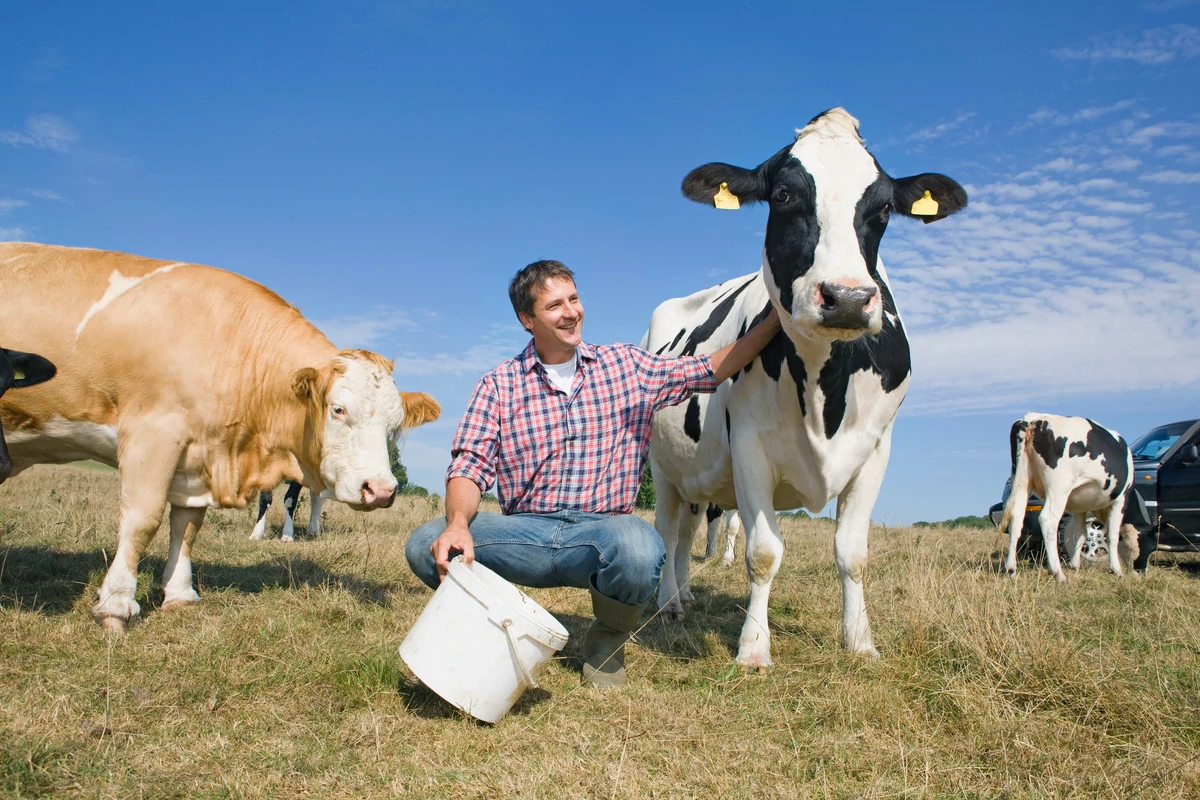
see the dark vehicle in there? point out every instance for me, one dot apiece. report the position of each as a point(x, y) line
point(1165, 509)
point(1166, 474)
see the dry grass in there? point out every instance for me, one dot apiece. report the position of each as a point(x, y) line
point(285, 682)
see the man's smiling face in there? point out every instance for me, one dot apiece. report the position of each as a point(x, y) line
point(557, 320)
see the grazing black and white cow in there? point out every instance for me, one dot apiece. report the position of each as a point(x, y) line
point(1076, 467)
point(810, 418)
point(290, 498)
point(18, 370)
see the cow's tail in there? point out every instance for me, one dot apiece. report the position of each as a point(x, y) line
point(1018, 498)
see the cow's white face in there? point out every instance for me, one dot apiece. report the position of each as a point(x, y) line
point(362, 409)
point(829, 207)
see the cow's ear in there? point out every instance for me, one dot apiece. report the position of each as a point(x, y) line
point(928, 196)
point(419, 408)
point(29, 369)
point(309, 385)
point(724, 185)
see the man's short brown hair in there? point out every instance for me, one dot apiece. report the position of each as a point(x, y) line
point(526, 283)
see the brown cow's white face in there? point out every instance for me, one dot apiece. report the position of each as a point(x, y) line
point(362, 409)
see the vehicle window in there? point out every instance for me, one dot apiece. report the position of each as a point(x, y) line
point(1158, 441)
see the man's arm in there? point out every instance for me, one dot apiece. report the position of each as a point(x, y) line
point(732, 357)
point(462, 503)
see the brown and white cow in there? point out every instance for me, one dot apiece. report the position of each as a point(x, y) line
point(202, 386)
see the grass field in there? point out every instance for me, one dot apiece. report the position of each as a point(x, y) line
point(285, 682)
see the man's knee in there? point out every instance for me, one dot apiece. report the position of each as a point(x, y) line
point(416, 550)
point(637, 546)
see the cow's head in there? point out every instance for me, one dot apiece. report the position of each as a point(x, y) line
point(18, 370)
point(353, 408)
point(830, 202)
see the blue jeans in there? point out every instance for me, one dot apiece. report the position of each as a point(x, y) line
point(621, 555)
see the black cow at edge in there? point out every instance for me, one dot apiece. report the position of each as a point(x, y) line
point(18, 370)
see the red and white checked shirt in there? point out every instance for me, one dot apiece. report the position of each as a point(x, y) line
point(548, 451)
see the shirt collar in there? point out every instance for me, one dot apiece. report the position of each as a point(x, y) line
point(529, 361)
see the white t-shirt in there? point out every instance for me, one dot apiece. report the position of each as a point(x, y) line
point(562, 375)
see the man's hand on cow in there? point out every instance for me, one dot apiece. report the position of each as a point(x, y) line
point(453, 539)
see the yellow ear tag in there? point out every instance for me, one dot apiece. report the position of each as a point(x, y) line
point(18, 374)
point(726, 199)
point(925, 207)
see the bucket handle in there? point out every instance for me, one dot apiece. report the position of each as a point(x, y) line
point(507, 625)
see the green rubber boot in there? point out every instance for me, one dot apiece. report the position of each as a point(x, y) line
point(605, 641)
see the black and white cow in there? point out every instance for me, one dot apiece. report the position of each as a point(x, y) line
point(290, 498)
point(17, 371)
point(811, 417)
point(1076, 467)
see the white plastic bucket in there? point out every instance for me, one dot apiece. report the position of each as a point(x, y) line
point(481, 641)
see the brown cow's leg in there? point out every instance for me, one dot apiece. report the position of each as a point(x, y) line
point(148, 457)
point(177, 576)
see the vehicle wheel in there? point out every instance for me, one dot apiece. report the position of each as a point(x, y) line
point(1095, 543)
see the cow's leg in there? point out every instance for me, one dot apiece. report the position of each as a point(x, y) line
point(733, 524)
point(1112, 527)
point(1052, 511)
point(289, 512)
point(754, 483)
point(854, 507)
point(148, 460)
point(667, 508)
point(687, 519)
point(1077, 529)
point(177, 576)
point(713, 517)
point(315, 504)
point(260, 528)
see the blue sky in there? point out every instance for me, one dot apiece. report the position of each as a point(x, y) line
point(388, 166)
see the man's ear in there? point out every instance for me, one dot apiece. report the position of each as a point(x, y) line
point(419, 408)
point(526, 321)
point(29, 369)
point(945, 196)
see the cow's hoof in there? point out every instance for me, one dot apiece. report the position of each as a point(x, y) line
point(671, 613)
point(287, 538)
point(726, 562)
point(686, 597)
point(867, 652)
point(188, 598)
point(756, 662)
point(113, 624)
point(258, 536)
point(1058, 576)
point(1010, 572)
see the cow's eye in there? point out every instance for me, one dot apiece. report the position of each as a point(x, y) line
point(781, 195)
point(338, 411)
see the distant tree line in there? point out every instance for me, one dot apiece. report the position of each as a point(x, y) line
point(959, 522)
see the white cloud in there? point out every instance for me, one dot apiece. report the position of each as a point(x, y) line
point(1122, 163)
point(477, 360)
point(1048, 116)
point(7, 205)
point(1152, 47)
point(1167, 5)
point(1176, 130)
point(43, 131)
point(1116, 206)
point(1172, 176)
point(45, 194)
point(366, 330)
point(937, 131)
point(17, 234)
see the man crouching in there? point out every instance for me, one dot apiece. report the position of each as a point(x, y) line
point(564, 429)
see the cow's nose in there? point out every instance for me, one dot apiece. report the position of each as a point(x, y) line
point(378, 494)
point(845, 306)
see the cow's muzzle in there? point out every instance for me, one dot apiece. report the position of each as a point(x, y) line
point(377, 494)
point(846, 306)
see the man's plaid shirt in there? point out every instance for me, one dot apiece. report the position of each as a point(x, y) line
point(548, 451)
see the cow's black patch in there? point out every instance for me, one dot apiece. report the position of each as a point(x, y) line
point(1113, 454)
point(713, 512)
point(1077, 449)
point(1016, 436)
point(792, 226)
point(691, 419)
point(871, 220)
point(886, 354)
point(671, 345)
point(694, 508)
point(728, 427)
point(1050, 447)
point(704, 331)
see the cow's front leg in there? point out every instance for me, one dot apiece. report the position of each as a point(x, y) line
point(1052, 511)
point(754, 481)
point(667, 508)
point(686, 523)
point(854, 507)
point(177, 575)
point(315, 504)
point(148, 457)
